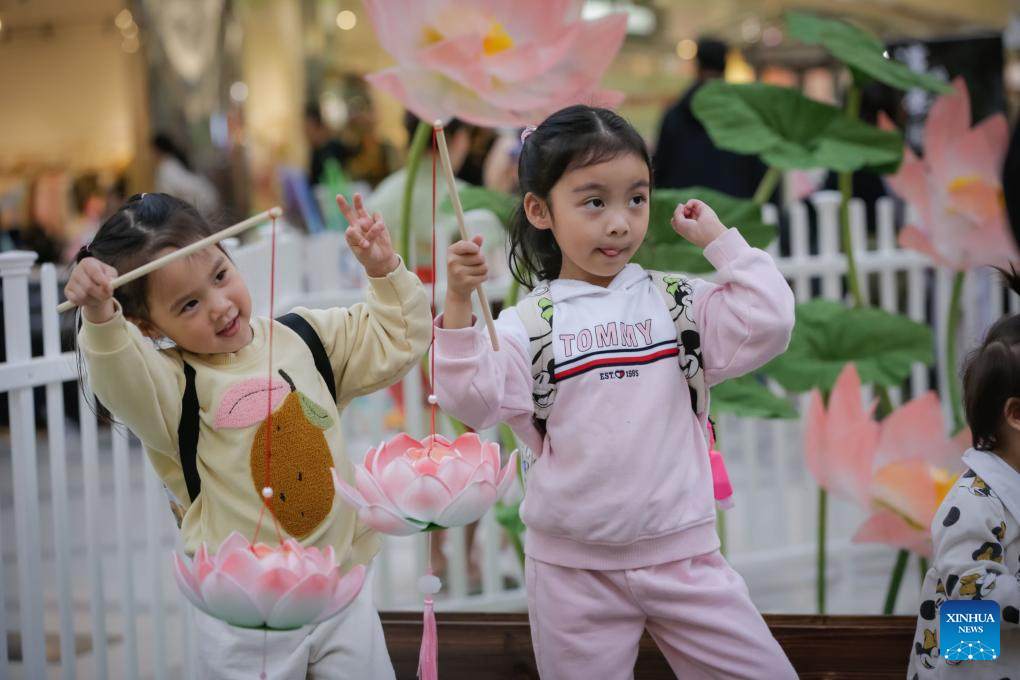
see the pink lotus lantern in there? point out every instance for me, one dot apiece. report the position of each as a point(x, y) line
point(258, 586)
point(956, 188)
point(405, 486)
point(495, 63)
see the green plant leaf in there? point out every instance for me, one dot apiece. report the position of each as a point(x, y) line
point(478, 198)
point(859, 50)
point(789, 131)
point(314, 413)
point(828, 335)
point(747, 396)
point(664, 250)
point(509, 517)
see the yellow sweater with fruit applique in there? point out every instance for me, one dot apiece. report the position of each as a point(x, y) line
point(370, 346)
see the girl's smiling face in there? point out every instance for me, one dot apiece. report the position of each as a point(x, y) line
point(201, 303)
point(598, 215)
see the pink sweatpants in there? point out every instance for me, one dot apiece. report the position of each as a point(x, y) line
point(587, 624)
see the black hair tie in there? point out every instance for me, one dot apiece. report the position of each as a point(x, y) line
point(83, 252)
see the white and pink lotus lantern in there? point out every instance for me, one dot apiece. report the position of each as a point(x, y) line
point(405, 486)
point(259, 586)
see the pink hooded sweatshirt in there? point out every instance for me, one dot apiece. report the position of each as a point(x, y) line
point(623, 478)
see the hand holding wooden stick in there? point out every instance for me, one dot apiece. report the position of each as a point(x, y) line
point(139, 272)
point(444, 156)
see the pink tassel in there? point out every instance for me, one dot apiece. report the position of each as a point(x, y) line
point(720, 477)
point(428, 657)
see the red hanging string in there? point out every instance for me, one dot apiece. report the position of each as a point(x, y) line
point(269, 395)
point(435, 278)
point(428, 654)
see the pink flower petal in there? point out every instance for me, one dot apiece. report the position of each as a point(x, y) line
point(454, 473)
point(347, 492)
point(468, 506)
point(392, 450)
point(270, 586)
point(887, 528)
point(906, 487)
point(490, 454)
point(387, 521)
point(507, 476)
point(228, 601)
point(468, 446)
point(948, 119)
point(302, 604)
point(426, 466)
point(187, 583)
point(347, 589)
point(914, 430)
point(235, 542)
point(243, 567)
point(395, 479)
point(913, 238)
point(424, 499)
point(369, 488)
point(840, 447)
point(203, 566)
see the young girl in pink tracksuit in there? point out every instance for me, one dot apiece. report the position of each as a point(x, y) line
point(619, 496)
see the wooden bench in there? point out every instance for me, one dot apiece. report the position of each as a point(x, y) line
point(482, 646)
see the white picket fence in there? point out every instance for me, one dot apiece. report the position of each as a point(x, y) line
point(85, 534)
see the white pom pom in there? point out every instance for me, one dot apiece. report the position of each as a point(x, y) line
point(429, 585)
point(433, 399)
point(267, 492)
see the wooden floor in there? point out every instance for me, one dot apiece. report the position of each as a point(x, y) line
point(483, 646)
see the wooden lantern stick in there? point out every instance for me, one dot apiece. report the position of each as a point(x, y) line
point(444, 156)
point(149, 267)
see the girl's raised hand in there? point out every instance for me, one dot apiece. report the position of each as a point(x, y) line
point(697, 222)
point(465, 268)
point(90, 287)
point(368, 238)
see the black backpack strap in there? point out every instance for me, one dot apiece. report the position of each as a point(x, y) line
point(300, 325)
point(187, 433)
point(187, 428)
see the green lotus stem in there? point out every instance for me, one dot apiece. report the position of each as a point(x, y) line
point(853, 107)
point(845, 190)
point(894, 582)
point(923, 564)
point(952, 325)
point(515, 538)
point(767, 186)
point(418, 143)
point(823, 502)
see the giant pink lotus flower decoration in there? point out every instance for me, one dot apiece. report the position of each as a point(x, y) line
point(496, 62)
point(405, 486)
point(956, 188)
point(899, 469)
point(260, 586)
point(839, 442)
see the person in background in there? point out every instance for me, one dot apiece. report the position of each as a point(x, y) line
point(323, 144)
point(90, 204)
point(686, 156)
point(175, 176)
point(371, 158)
